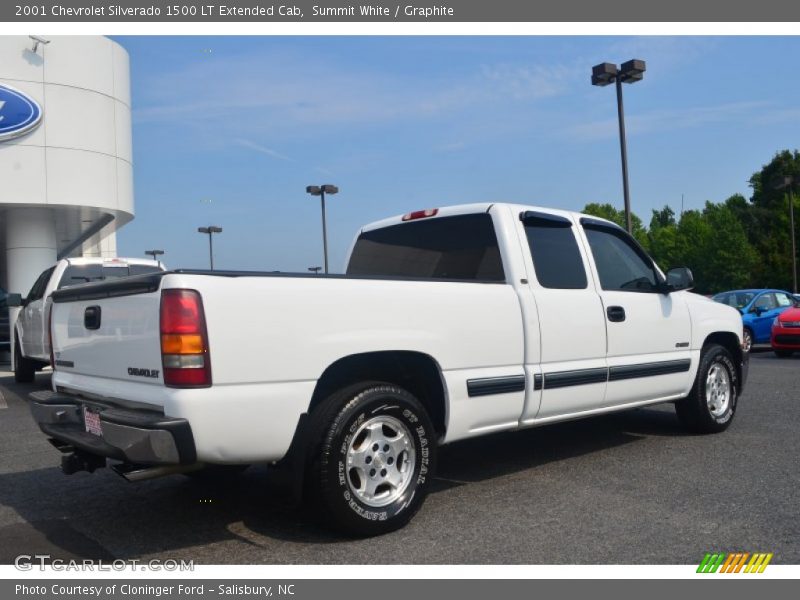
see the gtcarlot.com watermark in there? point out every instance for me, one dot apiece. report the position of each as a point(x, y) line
point(29, 562)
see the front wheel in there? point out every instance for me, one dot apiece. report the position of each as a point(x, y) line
point(711, 404)
point(374, 465)
point(24, 368)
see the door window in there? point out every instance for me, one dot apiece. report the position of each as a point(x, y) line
point(37, 291)
point(765, 302)
point(784, 300)
point(621, 264)
point(554, 249)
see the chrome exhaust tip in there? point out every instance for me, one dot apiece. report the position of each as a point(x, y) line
point(143, 472)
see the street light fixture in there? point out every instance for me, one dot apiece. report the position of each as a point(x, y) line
point(629, 72)
point(321, 190)
point(210, 230)
point(155, 254)
point(789, 182)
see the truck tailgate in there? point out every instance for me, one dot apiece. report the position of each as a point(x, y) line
point(103, 341)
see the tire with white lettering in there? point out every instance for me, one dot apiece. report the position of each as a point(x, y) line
point(374, 458)
point(711, 404)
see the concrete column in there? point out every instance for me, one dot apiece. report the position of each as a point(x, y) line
point(30, 249)
point(106, 248)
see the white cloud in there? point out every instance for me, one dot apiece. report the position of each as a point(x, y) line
point(669, 119)
point(259, 148)
point(523, 82)
point(275, 92)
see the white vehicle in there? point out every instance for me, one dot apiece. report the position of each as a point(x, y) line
point(449, 323)
point(31, 341)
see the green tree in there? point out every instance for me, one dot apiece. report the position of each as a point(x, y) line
point(766, 220)
point(607, 211)
point(729, 257)
point(662, 239)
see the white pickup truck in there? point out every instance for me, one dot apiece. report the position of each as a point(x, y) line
point(449, 323)
point(31, 342)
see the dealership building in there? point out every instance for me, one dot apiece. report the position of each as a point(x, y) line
point(66, 175)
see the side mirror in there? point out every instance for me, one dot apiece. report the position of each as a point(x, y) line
point(758, 310)
point(679, 278)
point(14, 300)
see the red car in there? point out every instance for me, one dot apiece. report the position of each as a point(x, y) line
point(785, 337)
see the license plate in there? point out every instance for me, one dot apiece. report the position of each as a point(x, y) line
point(91, 421)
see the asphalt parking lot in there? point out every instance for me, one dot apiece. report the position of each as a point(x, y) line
point(630, 488)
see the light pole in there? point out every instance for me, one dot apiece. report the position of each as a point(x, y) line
point(321, 190)
point(629, 72)
point(789, 182)
point(210, 230)
point(155, 254)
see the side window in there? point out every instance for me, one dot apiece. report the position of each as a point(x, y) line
point(621, 265)
point(766, 302)
point(784, 300)
point(556, 257)
point(37, 290)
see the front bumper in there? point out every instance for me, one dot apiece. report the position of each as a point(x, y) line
point(785, 338)
point(141, 436)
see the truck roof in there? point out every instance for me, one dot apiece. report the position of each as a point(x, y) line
point(480, 207)
point(98, 260)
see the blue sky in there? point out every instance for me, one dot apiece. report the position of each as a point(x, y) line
point(230, 130)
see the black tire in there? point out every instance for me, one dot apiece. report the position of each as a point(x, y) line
point(694, 411)
point(783, 353)
point(337, 424)
point(24, 368)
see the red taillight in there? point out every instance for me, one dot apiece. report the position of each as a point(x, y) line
point(184, 340)
point(420, 214)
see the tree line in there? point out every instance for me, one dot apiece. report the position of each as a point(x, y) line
point(738, 243)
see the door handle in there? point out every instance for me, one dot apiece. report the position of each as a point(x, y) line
point(616, 314)
point(91, 318)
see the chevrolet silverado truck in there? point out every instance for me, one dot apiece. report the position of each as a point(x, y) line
point(31, 340)
point(449, 323)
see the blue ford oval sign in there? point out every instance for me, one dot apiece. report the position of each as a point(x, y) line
point(19, 113)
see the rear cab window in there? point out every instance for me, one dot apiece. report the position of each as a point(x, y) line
point(461, 247)
point(77, 274)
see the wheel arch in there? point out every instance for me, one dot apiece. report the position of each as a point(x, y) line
point(417, 372)
point(730, 341)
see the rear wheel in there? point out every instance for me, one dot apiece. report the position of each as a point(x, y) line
point(24, 368)
point(374, 461)
point(783, 353)
point(711, 405)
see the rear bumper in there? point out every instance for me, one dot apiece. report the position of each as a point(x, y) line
point(138, 436)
